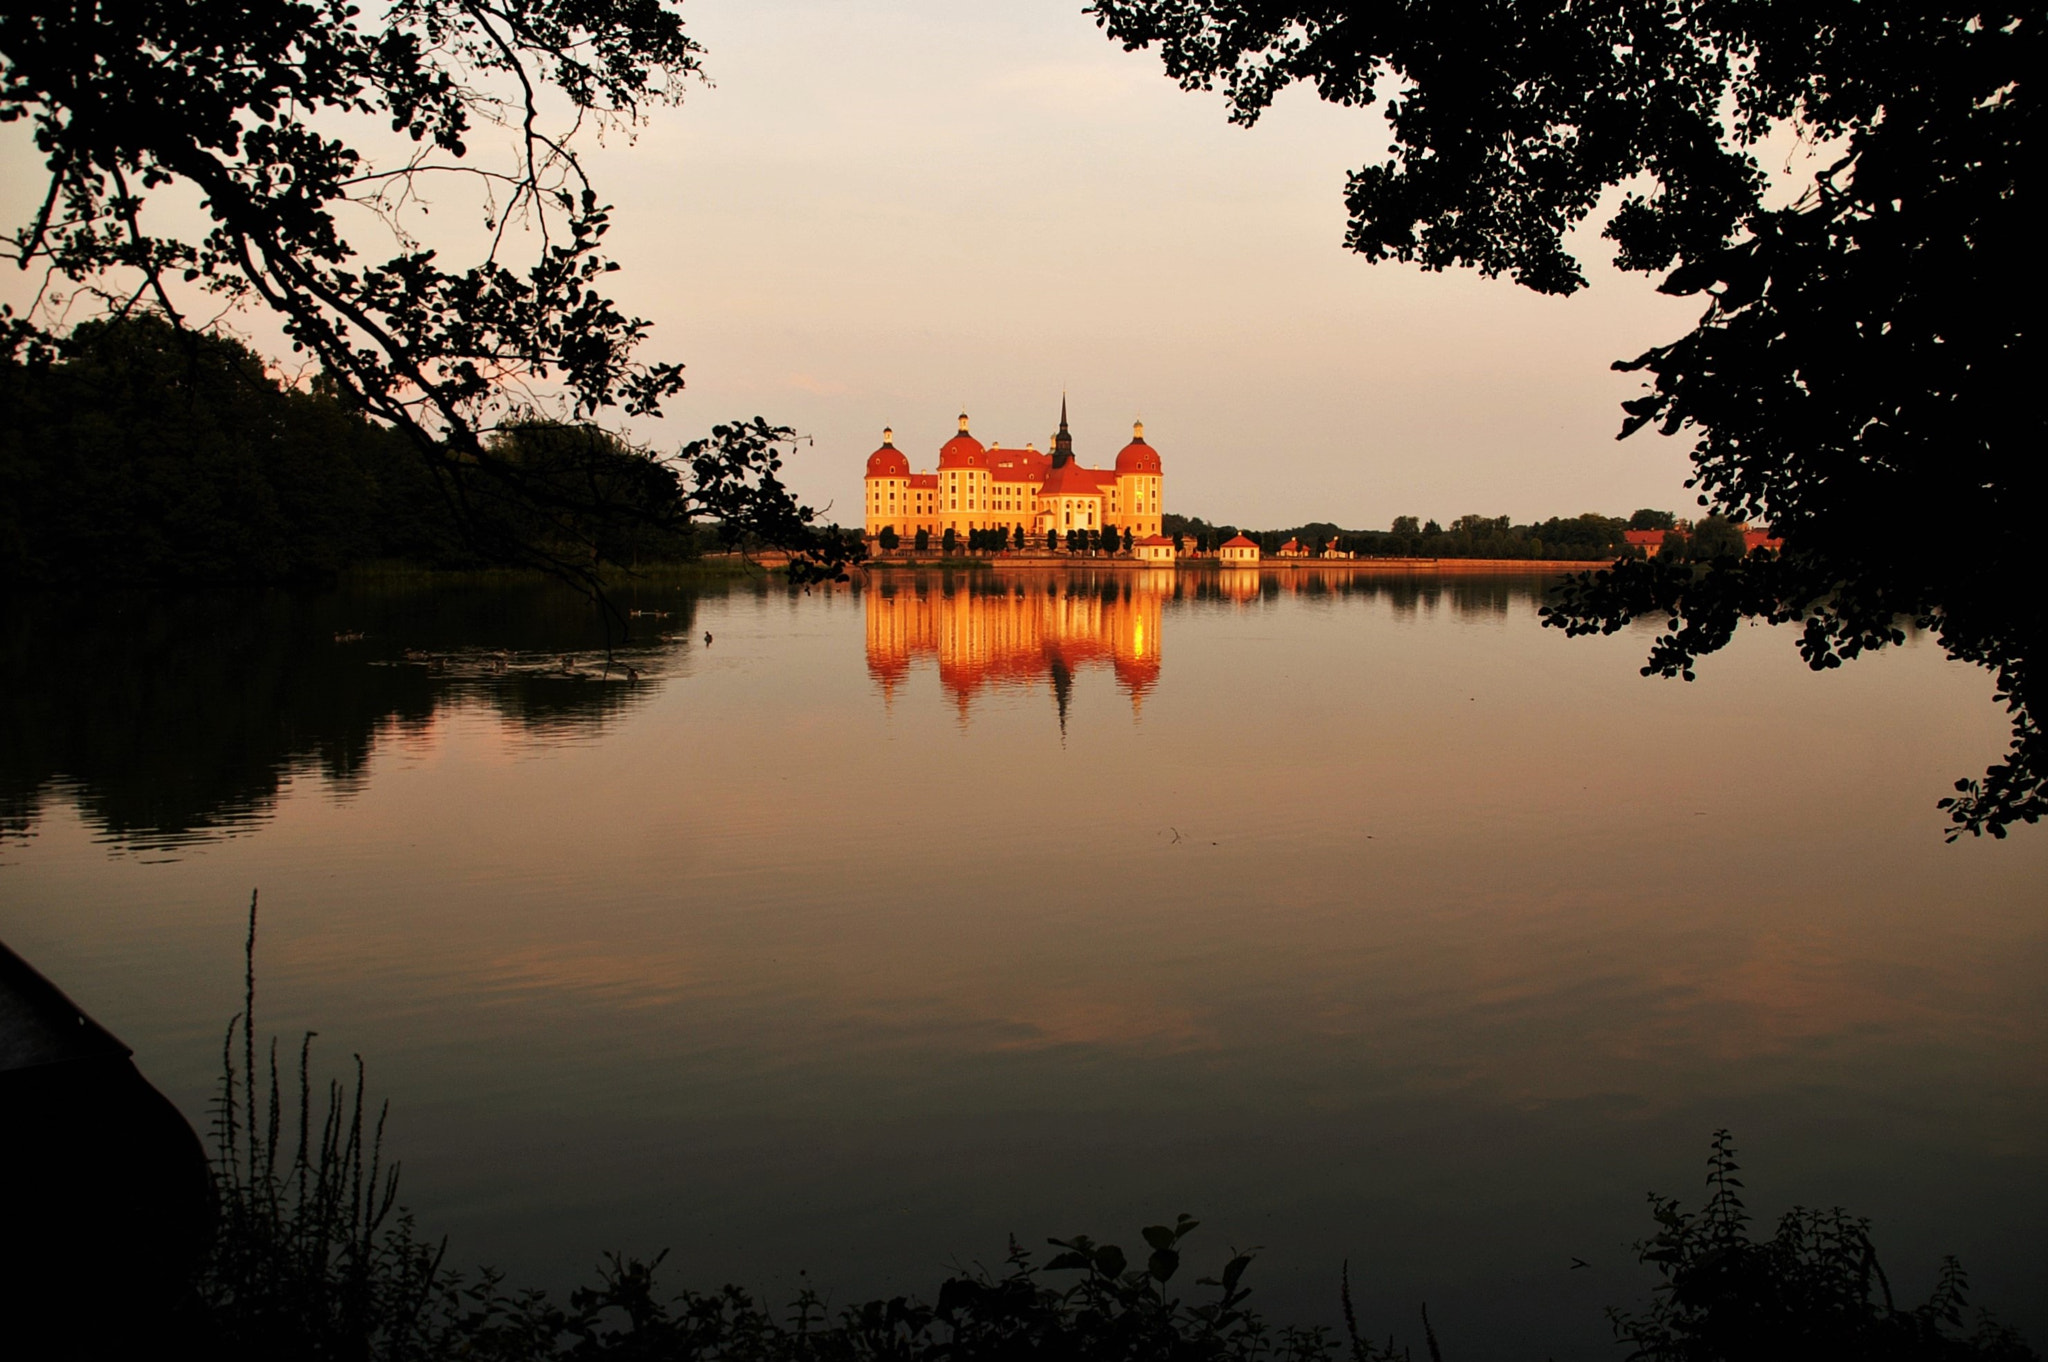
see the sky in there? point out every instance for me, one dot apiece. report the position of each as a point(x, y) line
point(880, 214)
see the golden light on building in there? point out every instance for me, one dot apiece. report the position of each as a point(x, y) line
point(985, 487)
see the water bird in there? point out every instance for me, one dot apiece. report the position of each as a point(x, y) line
point(568, 664)
point(707, 638)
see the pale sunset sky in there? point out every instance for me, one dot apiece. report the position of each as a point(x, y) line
point(881, 212)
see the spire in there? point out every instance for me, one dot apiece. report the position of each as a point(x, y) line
point(1062, 441)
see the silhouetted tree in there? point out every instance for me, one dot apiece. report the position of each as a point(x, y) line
point(951, 541)
point(1716, 537)
point(1647, 519)
point(1017, 538)
point(1128, 540)
point(923, 540)
point(888, 538)
point(255, 110)
point(1865, 355)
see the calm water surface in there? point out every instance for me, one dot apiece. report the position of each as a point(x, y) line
point(1363, 920)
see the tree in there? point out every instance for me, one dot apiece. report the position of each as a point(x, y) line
point(261, 112)
point(1716, 537)
point(889, 539)
point(1864, 354)
point(1647, 519)
point(1052, 541)
point(1128, 539)
point(1408, 525)
point(923, 540)
point(1017, 538)
point(951, 540)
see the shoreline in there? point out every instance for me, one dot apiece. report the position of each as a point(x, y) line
point(1368, 566)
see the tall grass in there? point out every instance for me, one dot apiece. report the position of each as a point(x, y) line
point(312, 1256)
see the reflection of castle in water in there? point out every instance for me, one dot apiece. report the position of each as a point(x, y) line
point(987, 635)
point(991, 629)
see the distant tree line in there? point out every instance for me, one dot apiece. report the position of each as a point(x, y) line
point(1590, 537)
point(142, 453)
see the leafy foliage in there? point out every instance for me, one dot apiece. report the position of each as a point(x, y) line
point(267, 112)
point(1864, 357)
point(1814, 1289)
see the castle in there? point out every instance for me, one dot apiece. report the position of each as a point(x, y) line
point(983, 488)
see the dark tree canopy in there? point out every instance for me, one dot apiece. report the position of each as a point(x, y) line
point(305, 130)
point(1863, 359)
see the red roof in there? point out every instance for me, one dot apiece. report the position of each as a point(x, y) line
point(1137, 457)
point(1761, 539)
point(1071, 480)
point(1019, 464)
point(924, 479)
point(1645, 538)
point(888, 462)
point(962, 451)
point(1156, 539)
point(1240, 542)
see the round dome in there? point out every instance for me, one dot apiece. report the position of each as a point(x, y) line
point(962, 451)
point(1137, 456)
point(888, 462)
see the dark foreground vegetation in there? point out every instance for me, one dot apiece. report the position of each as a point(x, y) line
point(1863, 357)
point(313, 1258)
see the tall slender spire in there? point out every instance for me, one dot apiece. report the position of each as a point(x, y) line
point(1062, 441)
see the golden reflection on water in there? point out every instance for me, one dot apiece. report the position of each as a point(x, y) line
point(1019, 632)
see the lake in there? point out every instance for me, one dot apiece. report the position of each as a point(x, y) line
point(1360, 917)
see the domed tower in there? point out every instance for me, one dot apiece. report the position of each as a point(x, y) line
point(888, 490)
point(964, 483)
point(1140, 483)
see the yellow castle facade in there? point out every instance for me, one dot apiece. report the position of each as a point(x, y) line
point(984, 487)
